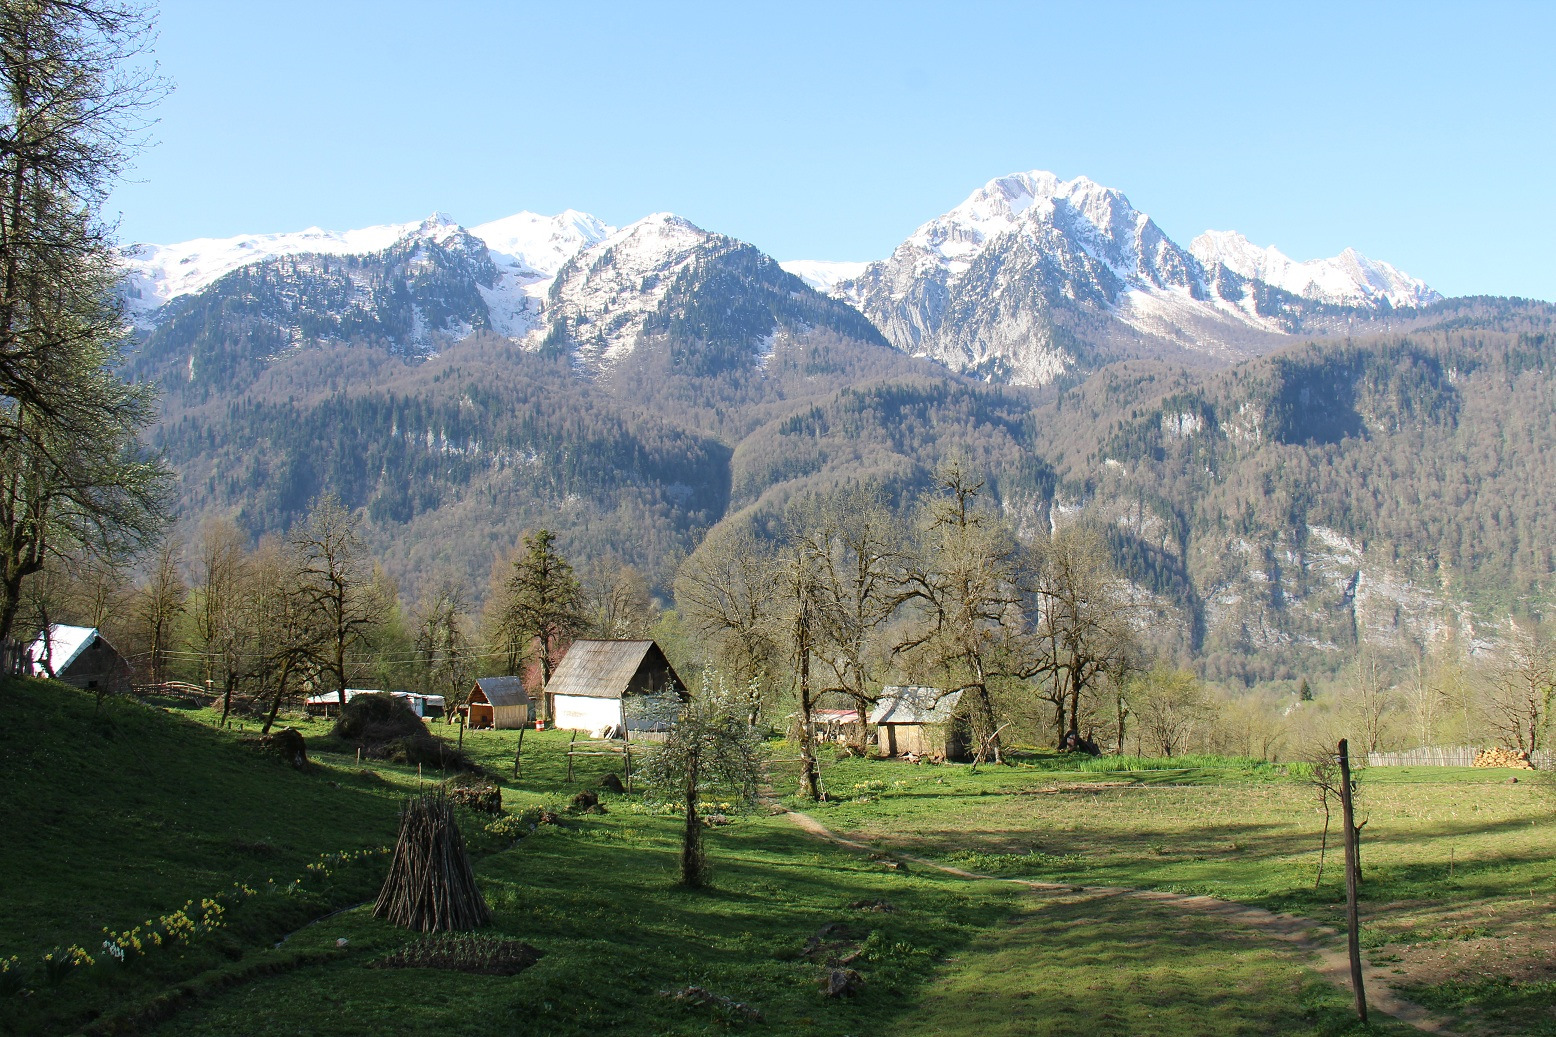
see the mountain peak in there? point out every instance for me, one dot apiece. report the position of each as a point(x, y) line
point(1348, 279)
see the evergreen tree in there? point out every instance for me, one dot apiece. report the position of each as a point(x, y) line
point(543, 604)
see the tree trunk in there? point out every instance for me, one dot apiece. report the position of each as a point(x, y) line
point(691, 840)
point(1352, 877)
point(275, 707)
point(810, 780)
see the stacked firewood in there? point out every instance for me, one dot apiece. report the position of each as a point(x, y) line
point(430, 884)
point(1503, 758)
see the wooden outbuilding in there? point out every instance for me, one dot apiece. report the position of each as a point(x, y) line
point(921, 721)
point(81, 657)
point(603, 686)
point(500, 702)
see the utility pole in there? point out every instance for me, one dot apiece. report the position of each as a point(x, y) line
point(1352, 878)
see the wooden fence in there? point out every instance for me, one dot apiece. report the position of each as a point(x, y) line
point(1445, 756)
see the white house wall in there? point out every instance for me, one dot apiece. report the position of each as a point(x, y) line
point(582, 713)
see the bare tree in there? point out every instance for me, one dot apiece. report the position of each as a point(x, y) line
point(961, 583)
point(218, 606)
point(617, 600)
point(284, 639)
point(727, 589)
point(157, 605)
point(495, 627)
point(1423, 698)
point(859, 554)
point(443, 649)
point(343, 601)
point(1517, 704)
point(794, 584)
point(1083, 637)
point(1371, 699)
point(1168, 705)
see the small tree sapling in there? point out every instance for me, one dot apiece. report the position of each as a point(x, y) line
point(712, 751)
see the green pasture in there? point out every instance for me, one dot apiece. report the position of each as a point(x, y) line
point(123, 813)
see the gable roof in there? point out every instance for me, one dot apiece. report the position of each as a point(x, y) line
point(65, 645)
point(503, 691)
point(914, 705)
point(603, 669)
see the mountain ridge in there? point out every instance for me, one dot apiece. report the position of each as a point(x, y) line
point(1029, 278)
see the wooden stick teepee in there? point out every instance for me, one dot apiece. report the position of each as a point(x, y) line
point(430, 884)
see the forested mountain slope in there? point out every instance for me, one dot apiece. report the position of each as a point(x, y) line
point(1278, 500)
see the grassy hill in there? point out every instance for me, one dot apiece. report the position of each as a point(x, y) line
point(119, 812)
point(120, 815)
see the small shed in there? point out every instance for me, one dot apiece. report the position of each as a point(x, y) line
point(500, 702)
point(602, 685)
point(79, 656)
point(923, 721)
point(835, 725)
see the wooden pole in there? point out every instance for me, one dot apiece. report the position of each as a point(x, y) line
point(1352, 867)
point(519, 754)
point(626, 748)
point(570, 742)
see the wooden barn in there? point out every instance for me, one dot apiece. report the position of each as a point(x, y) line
point(922, 721)
point(500, 702)
point(603, 685)
point(81, 657)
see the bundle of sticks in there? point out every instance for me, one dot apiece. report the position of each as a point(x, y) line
point(430, 884)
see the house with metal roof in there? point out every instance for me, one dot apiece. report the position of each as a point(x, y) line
point(79, 656)
point(919, 721)
point(499, 702)
point(603, 685)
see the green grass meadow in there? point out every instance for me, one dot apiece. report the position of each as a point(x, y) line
point(121, 815)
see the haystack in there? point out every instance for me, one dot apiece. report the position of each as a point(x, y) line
point(430, 884)
point(386, 727)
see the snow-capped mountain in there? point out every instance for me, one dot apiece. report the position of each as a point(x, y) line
point(527, 250)
point(1032, 271)
point(1029, 278)
point(1349, 279)
point(157, 274)
point(664, 277)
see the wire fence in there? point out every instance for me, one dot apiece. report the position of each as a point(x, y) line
point(1446, 756)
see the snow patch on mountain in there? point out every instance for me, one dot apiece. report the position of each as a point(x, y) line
point(1349, 279)
point(527, 249)
point(603, 296)
point(823, 275)
point(158, 274)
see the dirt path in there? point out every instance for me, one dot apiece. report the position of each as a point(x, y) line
point(1301, 933)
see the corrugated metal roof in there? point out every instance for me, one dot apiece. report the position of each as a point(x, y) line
point(503, 691)
point(900, 704)
point(603, 669)
point(65, 644)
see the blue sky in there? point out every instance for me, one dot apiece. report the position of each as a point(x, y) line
point(1419, 133)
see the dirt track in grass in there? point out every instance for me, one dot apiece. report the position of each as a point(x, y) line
point(1324, 943)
